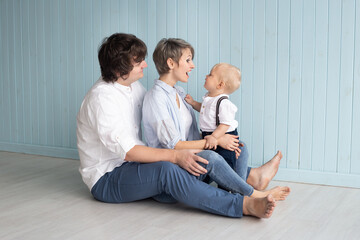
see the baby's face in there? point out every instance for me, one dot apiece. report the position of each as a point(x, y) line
point(212, 80)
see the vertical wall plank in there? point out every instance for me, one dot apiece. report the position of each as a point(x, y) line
point(18, 73)
point(48, 78)
point(142, 31)
point(133, 23)
point(247, 83)
point(2, 105)
point(171, 18)
point(202, 53)
point(57, 71)
point(224, 31)
point(151, 42)
point(333, 86)
point(294, 85)
point(114, 16)
point(214, 32)
point(346, 85)
point(5, 98)
point(182, 18)
point(235, 52)
point(307, 86)
point(318, 143)
point(355, 140)
point(258, 83)
point(26, 72)
point(161, 20)
point(12, 74)
point(283, 67)
point(33, 77)
point(191, 35)
point(40, 55)
point(270, 77)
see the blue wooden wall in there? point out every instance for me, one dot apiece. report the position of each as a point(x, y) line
point(300, 61)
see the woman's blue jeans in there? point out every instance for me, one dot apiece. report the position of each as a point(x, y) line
point(135, 181)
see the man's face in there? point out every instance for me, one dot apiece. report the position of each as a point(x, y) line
point(135, 74)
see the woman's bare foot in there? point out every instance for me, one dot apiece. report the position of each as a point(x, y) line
point(278, 193)
point(259, 207)
point(260, 177)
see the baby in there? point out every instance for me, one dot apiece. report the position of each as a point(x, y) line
point(217, 112)
point(217, 117)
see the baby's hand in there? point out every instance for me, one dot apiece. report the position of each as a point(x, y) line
point(189, 99)
point(211, 142)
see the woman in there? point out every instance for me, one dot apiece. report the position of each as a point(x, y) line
point(169, 122)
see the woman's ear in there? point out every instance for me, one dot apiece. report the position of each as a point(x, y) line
point(170, 63)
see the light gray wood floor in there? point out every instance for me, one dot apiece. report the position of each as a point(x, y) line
point(44, 198)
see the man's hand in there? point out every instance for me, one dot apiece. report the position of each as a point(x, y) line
point(211, 142)
point(189, 161)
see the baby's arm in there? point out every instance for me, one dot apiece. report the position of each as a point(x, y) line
point(211, 140)
point(196, 105)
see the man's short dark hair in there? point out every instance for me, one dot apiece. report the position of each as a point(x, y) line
point(117, 55)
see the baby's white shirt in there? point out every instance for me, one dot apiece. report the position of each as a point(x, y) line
point(227, 111)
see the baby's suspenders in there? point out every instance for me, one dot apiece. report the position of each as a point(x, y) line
point(217, 109)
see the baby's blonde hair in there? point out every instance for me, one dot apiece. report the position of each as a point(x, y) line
point(230, 75)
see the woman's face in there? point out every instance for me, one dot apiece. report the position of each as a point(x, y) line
point(185, 66)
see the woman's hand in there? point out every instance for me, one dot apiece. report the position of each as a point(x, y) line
point(189, 161)
point(229, 142)
point(211, 142)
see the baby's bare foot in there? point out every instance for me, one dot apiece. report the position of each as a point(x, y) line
point(259, 207)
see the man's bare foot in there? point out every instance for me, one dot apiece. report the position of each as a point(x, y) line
point(260, 177)
point(279, 193)
point(259, 207)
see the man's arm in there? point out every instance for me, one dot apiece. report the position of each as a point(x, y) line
point(184, 158)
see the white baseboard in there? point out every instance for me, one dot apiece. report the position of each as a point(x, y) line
point(315, 177)
point(40, 150)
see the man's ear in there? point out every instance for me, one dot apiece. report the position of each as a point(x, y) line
point(170, 63)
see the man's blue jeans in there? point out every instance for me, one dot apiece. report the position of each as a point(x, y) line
point(135, 181)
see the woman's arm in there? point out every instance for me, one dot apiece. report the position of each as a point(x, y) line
point(196, 144)
point(211, 140)
point(184, 158)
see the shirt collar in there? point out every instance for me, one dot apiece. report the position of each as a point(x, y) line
point(122, 87)
point(167, 87)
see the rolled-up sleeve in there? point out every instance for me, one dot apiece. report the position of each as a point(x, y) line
point(160, 126)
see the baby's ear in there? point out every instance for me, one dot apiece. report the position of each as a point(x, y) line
point(221, 84)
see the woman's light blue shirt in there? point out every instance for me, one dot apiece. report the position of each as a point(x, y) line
point(161, 117)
